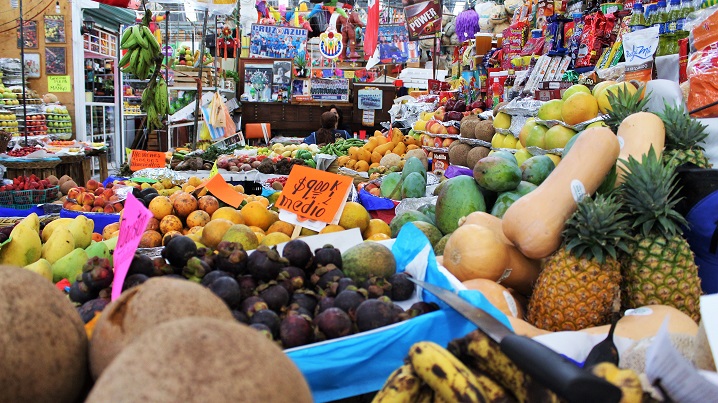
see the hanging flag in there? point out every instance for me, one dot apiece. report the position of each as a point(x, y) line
point(372, 28)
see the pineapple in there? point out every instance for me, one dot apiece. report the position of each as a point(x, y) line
point(683, 135)
point(660, 267)
point(624, 104)
point(579, 284)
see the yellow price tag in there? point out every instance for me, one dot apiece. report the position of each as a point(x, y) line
point(214, 170)
point(128, 153)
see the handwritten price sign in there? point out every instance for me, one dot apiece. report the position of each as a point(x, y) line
point(141, 159)
point(134, 222)
point(314, 197)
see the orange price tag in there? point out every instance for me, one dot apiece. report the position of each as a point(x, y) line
point(141, 159)
point(223, 191)
point(313, 194)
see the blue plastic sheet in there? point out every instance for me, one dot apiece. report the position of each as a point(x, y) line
point(361, 363)
point(11, 212)
point(111, 179)
point(372, 203)
point(101, 220)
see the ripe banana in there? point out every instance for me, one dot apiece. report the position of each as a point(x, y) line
point(449, 377)
point(627, 380)
point(426, 394)
point(402, 386)
point(479, 352)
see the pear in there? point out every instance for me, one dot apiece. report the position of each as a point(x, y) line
point(32, 221)
point(41, 267)
point(52, 225)
point(60, 244)
point(24, 248)
point(111, 244)
point(69, 266)
point(81, 228)
point(98, 249)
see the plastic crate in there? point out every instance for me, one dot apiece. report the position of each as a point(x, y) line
point(6, 199)
point(25, 197)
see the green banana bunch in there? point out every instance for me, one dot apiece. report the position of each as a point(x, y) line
point(142, 51)
point(483, 355)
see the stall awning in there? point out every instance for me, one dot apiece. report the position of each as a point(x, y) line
point(110, 17)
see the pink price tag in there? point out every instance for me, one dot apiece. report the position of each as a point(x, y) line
point(135, 217)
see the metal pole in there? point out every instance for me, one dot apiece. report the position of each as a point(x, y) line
point(167, 74)
point(197, 102)
point(22, 73)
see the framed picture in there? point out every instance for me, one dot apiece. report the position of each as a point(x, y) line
point(269, 41)
point(300, 89)
point(54, 29)
point(55, 61)
point(32, 65)
point(30, 33)
point(258, 76)
point(393, 43)
point(322, 89)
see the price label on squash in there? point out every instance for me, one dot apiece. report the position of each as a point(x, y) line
point(141, 159)
point(313, 198)
point(135, 217)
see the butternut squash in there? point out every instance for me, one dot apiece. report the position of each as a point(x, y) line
point(535, 221)
point(474, 251)
point(636, 135)
point(487, 220)
point(498, 295)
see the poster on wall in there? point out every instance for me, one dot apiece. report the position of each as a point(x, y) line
point(282, 77)
point(322, 89)
point(300, 89)
point(54, 29)
point(423, 18)
point(32, 65)
point(369, 99)
point(393, 43)
point(30, 33)
point(277, 42)
point(55, 61)
point(258, 82)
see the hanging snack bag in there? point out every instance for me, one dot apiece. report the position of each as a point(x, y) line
point(514, 39)
point(639, 48)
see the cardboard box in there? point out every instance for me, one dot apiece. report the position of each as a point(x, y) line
point(547, 95)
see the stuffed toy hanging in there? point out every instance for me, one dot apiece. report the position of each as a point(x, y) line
point(467, 23)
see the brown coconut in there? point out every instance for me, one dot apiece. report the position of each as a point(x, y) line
point(468, 125)
point(53, 180)
point(201, 360)
point(475, 155)
point(458, 154)
point(63, 179)
point(43, 344)
point(484, 130)
point(66, 186)
point(156, 301)
point(418, 153)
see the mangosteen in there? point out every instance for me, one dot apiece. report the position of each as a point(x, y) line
point(262, 328)
point(247, 285)
point(141, 264)
point(207, 255)
point(291, 278)
point(81, 293)
point(269, 318)
point(135, 280)
point(376, 287)
point(295, 309)
point(137, 193)
point(305, 299)
point(149, 191)
point(274, 295)
point(345, 282)
point(421, 308)
point(327, 255)
point(251, 305)
point(373, 314)
point(195, 269)
point(179, 250)
point(213, 275)
point(160, 267)
point(226, 288)
point(333, 323)
point(348, 301)
point(401, 287)
point(97, 274)
point(324, 275)
point(88, 309)
point(296, 330)
point(177, 276)
point(4, 237)
point(148, 199)
point(298, 253)
point(240, 316)
point(264, 264)
point(324, 304)
point(231, 257)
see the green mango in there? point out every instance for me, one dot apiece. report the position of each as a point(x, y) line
point(413, 164)
point(407, 216)
point(459, 197)
point(497, 174)
point(503, 202)
point(389, 183)
point(69, 266)
point(536, 169)
point(414, 186)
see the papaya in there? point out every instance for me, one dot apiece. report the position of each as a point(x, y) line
point(503, 202)
point(353, 153)
point(371, 144)
point(536, 169)
point(497, 174)
point(382, 149)
point(389, 183)
point(405, 217)
point(375, 157)
point(413, 164)
point(459, 197)
point(399, 149)
point(414, 186)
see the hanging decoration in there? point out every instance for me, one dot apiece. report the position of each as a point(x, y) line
point(467, 23)
point(331, 45)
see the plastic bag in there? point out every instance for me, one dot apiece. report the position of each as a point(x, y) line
point(639, 47)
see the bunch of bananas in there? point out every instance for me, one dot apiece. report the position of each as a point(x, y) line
point(155, 102)
point(142, 51)
point(474, 369)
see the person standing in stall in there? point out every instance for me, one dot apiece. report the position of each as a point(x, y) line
point(328, 133)
point(340, 119)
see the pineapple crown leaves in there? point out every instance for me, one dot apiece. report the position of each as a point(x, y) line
point(623, 104)
point(682, 131)
point(650, 194)
point(597, 230)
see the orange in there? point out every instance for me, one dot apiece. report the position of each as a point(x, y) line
point(214, 231)
point(197, 218)
point(150, 239)
point(153, 224)
point(210, 204)
point(332, 228)
point(281, 226)
point(378, 237)
point(578, 108)
point(194, 181)
point(354, 216)
point(376, 226)
point(256, 214)
point(170, 223)
point(160, 207)
point(275, 238)
point(256, 229)
point(184, 203)
point(229, 213)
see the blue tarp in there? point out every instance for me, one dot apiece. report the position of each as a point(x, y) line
point(10, 212)
point(101, 219)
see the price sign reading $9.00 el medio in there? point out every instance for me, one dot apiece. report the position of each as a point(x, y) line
point(314, 195)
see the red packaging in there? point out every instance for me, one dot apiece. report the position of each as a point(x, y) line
point(534, 46)
point(595, 30)
point(682, 59)
point(514, 38)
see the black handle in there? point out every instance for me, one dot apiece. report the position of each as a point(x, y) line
point(557, 373)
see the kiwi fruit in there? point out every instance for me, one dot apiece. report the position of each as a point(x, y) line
point(475, 155)
point(468, 125)
point(140, 308)
point(201, 360)
point(484, 130)
point(43, 344)
point(458, 154)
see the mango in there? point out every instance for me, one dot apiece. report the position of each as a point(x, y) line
point(414, 186)
point(432, 233)
point(524, 188)
point(69, 266)
point(507, 155)
point(32, 222)
point(241, 234)
point(536, 169)
point(407, 216)
point(60, 243)
point(430, 211)
point(41, 267)
point(503, 202)
point(81, 228)
point(497, 174)
point(413, 164)
point(24, 248)
point(389, 183)
point(459, 197)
